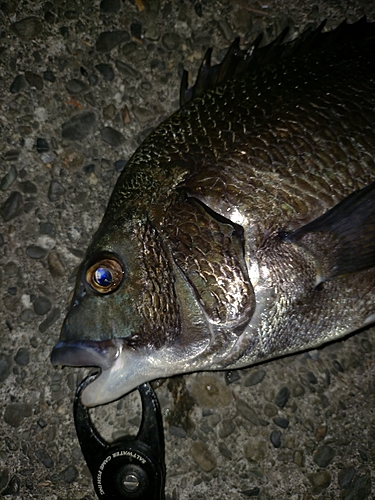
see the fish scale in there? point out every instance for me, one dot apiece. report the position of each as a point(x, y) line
point(243, 227)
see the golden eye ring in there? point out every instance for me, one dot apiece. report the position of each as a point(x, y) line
point(105, 275)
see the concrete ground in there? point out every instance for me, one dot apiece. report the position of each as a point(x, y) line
point(299, 428)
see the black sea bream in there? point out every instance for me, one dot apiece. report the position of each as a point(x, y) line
point(243, 228)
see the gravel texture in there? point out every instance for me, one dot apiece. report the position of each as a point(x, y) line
point(83, 82)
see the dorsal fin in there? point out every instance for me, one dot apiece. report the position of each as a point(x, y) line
point(238, 61)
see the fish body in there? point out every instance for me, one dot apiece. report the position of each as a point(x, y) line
point(243, 228)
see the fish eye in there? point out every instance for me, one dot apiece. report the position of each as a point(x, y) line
point(105, 275)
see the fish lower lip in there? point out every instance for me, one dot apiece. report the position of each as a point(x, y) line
point(86, 353)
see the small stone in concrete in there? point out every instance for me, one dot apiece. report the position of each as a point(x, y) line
point(360, 489)
point(4, 478)
point(8, 179)
point(270, 410)
point(69, 475)
point(5, 366)
point(12, 206)
point(55, 265)
point(224, 450)
point(345, 477)
point(299, 458)
point(276, 439)
point(28, 187)
point(256, 450)
point(171, 41)
point(143, 115)
point(112, 136)
point(255, 378)
point(42, 423)
point(42, 145)
point(227, 427)
point(136, 30)
point(34, 80)
point(36, 252)
point(109, 112)
point(108, 40)
point(203, 457)
point(225, 29)
point(337, 366)
point(22, 357)
point(48, 157)
point(232, 376)
point(253, 492)
point(246, 412)
point(13, 487)
point(366, 345)
point(12, 155)
point(281, 422)
point(16, 412)
point(56, 190)
point(44, 457)
point(282, 397)
point(177, 431)
point(42, 305)
point(312, 378)
point(120, 165)
point(26, 316)
point(53, 316)
point(79, 126)
point(28, 28)
point(106, 71)
point(49, 76)
point(320, 481)
point(324, 455)
point(110, 6)
point(47, 228)
point(210, 392)
point(75, 86)
point(127, 70)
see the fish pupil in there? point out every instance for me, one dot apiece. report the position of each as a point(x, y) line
point(103, 277)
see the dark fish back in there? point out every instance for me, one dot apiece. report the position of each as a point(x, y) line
point(285, 122)
point(292, 138)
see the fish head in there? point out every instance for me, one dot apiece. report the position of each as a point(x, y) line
point(133, 314)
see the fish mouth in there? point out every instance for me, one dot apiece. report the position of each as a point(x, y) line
point(121, 369)
point(102, 354)
point(86, 353)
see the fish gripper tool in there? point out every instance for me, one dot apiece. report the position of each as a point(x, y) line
point(131, 467)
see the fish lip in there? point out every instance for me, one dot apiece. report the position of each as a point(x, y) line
point(101, 353)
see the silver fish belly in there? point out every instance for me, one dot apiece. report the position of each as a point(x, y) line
point(243, 228)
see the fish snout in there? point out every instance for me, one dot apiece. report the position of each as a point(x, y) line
point(102, 354)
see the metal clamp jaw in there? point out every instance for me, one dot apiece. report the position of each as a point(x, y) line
point(131, 467)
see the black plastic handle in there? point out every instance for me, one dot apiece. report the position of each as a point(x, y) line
point(131, 467)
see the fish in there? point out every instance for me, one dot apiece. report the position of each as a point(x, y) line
point(243, 227)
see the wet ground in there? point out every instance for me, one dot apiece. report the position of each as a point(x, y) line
point(75, 102)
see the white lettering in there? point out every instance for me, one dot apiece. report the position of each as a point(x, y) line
point(100, 473)
point(99, 482)
point(104, 463)
point(128, 453)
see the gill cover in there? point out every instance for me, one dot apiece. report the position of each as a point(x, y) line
point(209, 250)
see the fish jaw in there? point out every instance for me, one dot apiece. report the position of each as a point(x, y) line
point(123, 368)
point(86, 353)
point(105, 355)
point(128, 371)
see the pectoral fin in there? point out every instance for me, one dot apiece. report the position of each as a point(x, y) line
point(343, 238)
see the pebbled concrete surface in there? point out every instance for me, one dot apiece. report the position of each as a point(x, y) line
point(74, 104)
